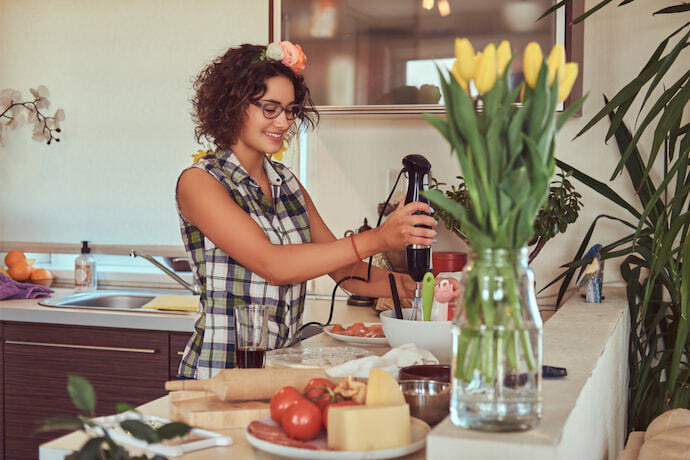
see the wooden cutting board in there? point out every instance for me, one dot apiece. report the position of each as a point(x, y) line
point(203, 409)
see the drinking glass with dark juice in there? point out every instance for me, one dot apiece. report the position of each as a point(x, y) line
point(251, 335)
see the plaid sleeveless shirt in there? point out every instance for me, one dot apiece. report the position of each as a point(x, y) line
point(225, 283)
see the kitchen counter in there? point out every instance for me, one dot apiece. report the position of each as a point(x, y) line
point(28, 310)
point(583, 414)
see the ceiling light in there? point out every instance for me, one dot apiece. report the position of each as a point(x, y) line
point(427, 4)
point(521, 16)
point(443, 7)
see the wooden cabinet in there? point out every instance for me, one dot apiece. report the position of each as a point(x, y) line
point(178, 342)
point(123, 365)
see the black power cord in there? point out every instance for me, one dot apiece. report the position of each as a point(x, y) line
point(358, 278)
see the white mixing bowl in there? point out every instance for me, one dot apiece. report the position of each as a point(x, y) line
point(431, 335)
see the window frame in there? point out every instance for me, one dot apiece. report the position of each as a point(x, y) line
point(573, 43)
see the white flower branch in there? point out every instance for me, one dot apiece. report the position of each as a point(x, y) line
point(14, 113)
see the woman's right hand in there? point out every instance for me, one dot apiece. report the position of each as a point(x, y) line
point(400, 228)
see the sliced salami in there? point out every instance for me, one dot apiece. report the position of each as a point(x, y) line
point(277, 435)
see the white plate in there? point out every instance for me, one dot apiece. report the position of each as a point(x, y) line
point(353, 339)
point(308, 356)
point(198, 438)
point(419, 431)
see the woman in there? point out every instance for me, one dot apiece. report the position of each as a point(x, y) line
point(251, 229)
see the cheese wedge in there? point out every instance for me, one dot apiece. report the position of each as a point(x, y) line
point(361, 428)
point(382, 388)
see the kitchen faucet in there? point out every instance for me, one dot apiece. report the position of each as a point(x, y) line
point(191, 287)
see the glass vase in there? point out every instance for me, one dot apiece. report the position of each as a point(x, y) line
point(497, 345)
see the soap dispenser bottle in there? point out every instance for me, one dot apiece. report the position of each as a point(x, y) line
point(85, 269)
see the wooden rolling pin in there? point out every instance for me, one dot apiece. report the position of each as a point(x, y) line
point(249, 384)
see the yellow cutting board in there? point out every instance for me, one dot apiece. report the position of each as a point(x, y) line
point(173, 302)
point(204, 410)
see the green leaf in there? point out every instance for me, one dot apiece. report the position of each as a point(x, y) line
point(124, 407)
point(540, 102)
point(667, 62)
point(591, 11)
point(629, 91)
point(651, 115)
point(599, 187)
point(174, 429)
point(91, 450)
point(554, 8)
point(635, 167)
point(567, 113)
point(515, 142)
point(59, 423)
point(82, 394)
point(680, 8)
point(440, 124)
point(670, 119)
point(140, 430)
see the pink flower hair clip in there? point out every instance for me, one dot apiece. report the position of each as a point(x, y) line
point(288, 54)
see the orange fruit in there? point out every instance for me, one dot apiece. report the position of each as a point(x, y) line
point(20, 271)
point(41, 274)
point(14, 257)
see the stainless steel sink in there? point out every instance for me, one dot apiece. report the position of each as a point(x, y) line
point(105, 300)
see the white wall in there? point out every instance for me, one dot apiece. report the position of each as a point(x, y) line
point(122, 72)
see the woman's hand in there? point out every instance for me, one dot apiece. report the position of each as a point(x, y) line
point(400, 228)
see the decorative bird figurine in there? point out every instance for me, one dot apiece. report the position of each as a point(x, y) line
point(593, 266)
point(593, 277)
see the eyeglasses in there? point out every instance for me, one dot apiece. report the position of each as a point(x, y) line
point(273, 110)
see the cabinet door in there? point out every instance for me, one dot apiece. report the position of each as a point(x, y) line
point(123, 365)
point(178, 342)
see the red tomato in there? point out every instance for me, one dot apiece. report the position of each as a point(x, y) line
point(317, 390)
point(324, 416)
point(302, 420)
point(280, 401)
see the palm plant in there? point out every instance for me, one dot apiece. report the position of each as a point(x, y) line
point(656, 250)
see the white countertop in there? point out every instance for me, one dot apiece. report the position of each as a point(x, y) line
point(583, 414)
point(30, 311)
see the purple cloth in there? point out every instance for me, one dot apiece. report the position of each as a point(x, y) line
point(11, 289)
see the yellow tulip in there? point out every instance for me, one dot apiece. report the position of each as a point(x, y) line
point(556, 63)
point(569, 77)
point(455, 71)
point(464, 53)
point(486, 71)
point(503, 55)
point(532, 60)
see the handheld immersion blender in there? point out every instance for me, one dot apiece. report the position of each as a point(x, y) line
point(418, 256)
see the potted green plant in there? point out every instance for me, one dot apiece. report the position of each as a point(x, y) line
point(561, 209)
point(656, 249)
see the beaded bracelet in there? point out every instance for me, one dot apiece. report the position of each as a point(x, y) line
point(352, 239)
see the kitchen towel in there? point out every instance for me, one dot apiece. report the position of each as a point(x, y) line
point(392, 362)
point(173, 303)
point(11, 289)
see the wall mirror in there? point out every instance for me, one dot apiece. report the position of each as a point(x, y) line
point(379, 56)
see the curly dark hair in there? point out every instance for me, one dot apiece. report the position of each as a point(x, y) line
point(230, 83)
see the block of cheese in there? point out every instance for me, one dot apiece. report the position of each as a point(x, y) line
point(367, 427)
point(382, 388)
